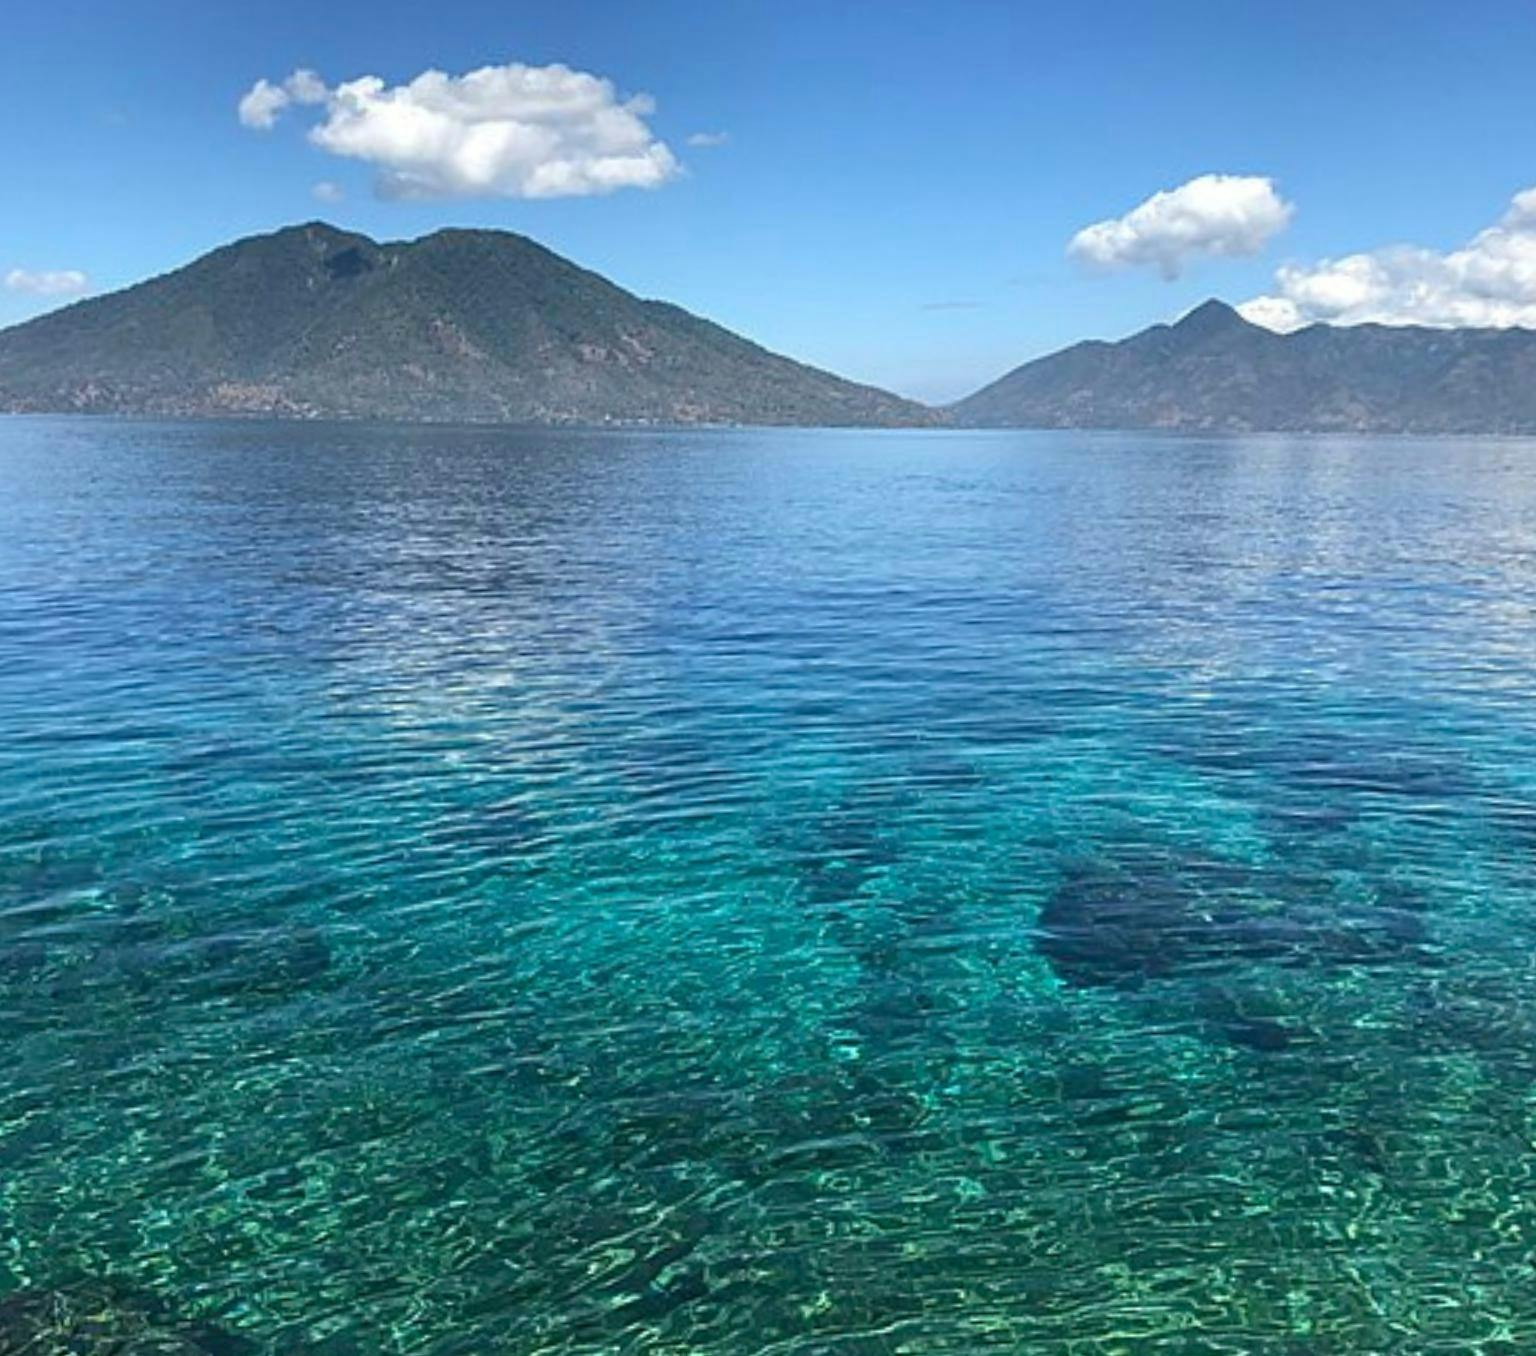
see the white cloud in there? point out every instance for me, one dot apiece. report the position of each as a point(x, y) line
point(305, 87)
point(510, 131)
point(708, 139)
point(1490, 281)
point(1230, 215)
point(328, 190)
point(264, 101)
point(260, 105)
point(63, 282)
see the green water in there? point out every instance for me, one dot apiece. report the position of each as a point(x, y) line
point(470, 892)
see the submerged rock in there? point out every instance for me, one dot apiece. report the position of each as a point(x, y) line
point(1104, 927)
point(257, 962)
point(1251, 1017)
point(20, 960)
point(98, 1321)
point(1337, 767)
point(1111, 926)
point(841, 868)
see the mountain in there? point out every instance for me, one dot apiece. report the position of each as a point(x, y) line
point(461, 325)
point(1213, 371)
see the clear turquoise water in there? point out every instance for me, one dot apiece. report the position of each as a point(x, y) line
point(472, 892)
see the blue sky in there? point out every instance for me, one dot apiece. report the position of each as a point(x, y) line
point(900, 181)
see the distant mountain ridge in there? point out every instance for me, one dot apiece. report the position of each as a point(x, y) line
point(1213, 371)
point(488, 326)
point(312, 321)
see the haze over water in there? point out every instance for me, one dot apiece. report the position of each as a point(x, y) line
point(471, 891)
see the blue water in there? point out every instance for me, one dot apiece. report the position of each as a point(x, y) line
point(466, 891)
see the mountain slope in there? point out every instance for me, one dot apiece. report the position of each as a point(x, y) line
point(1215, 371)
point(460, 325)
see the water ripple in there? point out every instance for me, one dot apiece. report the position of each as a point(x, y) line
point(471, 891)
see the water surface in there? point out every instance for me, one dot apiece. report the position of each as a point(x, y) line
point(466, 891)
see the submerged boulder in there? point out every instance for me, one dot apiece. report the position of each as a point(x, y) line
point(92, 1320)
point(1119, 925)
point(254, 962)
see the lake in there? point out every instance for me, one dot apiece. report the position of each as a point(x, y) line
point(470, 891)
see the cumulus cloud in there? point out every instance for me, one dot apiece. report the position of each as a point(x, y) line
point(510, 131)
point(1230, 215)
point(261, 104)
point(63, 282)
point(1490, 281)
point(708, 139)
point(328, 191)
